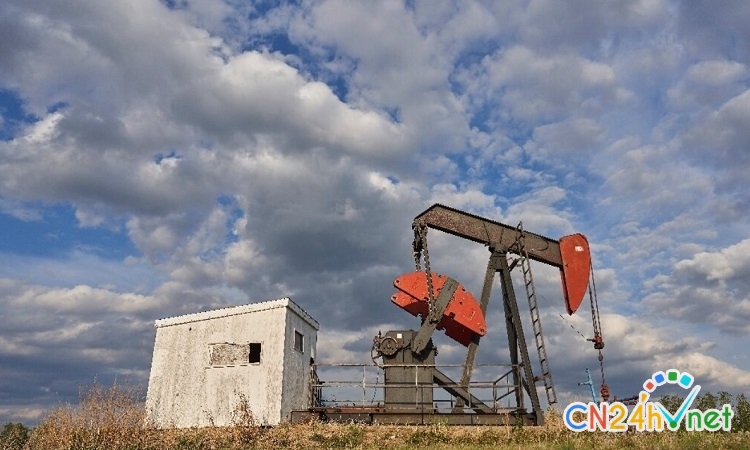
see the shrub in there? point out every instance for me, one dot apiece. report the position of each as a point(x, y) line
point(13, 436)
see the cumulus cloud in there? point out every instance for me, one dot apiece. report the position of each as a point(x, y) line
point(249, 152)
point(81, 331)
point(634, 350)
point(560, 83)
point(709, 288)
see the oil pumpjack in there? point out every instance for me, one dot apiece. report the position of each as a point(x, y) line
point(442, 303)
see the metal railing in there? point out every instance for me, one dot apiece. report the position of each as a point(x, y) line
point(360, 385)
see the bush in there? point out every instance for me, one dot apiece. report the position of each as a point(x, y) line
point(13, 436)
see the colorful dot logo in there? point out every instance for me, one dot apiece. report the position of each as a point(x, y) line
point(684, 379)
point(672, 376)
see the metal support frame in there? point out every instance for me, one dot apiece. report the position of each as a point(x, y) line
point(484, 300)
point(523, 374)
point(517, 343)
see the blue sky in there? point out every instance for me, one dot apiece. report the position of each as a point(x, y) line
point(161, 158)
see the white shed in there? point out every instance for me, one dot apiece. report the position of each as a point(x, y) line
point(206, 364)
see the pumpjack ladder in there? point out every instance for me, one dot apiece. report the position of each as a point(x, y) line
point(536, 322)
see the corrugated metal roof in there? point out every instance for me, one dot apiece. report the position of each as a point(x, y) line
point(238, 310)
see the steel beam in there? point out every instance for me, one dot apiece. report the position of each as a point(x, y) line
point(490, 233)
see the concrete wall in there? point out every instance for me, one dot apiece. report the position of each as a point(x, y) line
point(296, 387)
point(200, 375)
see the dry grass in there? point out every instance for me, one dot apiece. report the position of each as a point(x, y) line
point(113, 419)
point(111, 416)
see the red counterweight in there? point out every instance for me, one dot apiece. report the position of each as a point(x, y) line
point(462, 318)
point(575, 270)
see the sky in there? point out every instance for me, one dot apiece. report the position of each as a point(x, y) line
point(160, 158)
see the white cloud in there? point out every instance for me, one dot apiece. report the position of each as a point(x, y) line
point(470, 199)
point(563, 142)
point(78, 298)
point(255, 93)
point(707, 369)
point(729, 264)
point(717, 73)
point(634, 349)
point(551, 24)
point(710, 288)
point(242, 174)
point(242, 258)
point(538, 212)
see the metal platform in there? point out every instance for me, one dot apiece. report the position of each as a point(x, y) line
point(358, 392)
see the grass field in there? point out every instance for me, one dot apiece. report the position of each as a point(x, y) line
point(111, 419)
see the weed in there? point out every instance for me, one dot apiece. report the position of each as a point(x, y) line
point(435, 434)
point(244, 424)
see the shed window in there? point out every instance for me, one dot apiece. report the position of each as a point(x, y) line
point(254, 352)
point(229, 354)
point(299, 341)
